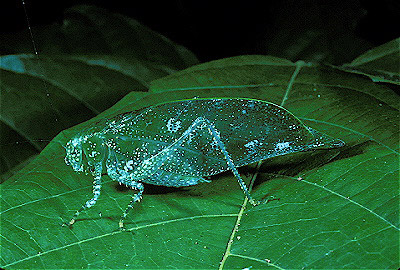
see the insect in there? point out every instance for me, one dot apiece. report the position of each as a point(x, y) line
point(180, 143)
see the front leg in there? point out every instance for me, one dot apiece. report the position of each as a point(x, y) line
point(96, 194)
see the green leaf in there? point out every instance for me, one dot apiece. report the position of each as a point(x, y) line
point(91, 31)
point(80, 71)
point(381, 64)
point(335, 208)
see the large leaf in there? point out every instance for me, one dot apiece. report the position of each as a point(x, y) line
point(381, 64)
point(334, 208)
point(80, 71)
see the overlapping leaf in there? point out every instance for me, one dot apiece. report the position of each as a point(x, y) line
point(381, 64)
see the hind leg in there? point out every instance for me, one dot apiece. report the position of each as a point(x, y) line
point(201, 123)
point(214, 132)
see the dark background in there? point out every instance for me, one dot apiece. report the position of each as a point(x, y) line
point(330, 31)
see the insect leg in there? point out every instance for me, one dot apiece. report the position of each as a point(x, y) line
point(96, 194)
point(198, 124)
point(135, 198)
point(193, 127)
point(230, 163)
point(150, 166)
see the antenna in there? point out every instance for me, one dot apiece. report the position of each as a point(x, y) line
point(37, 56)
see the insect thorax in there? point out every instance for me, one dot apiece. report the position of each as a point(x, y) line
point(84, 151)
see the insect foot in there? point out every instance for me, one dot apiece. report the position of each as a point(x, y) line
point(255, 203)
point(121, 225)
point(135, 198)
point(181, 143)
